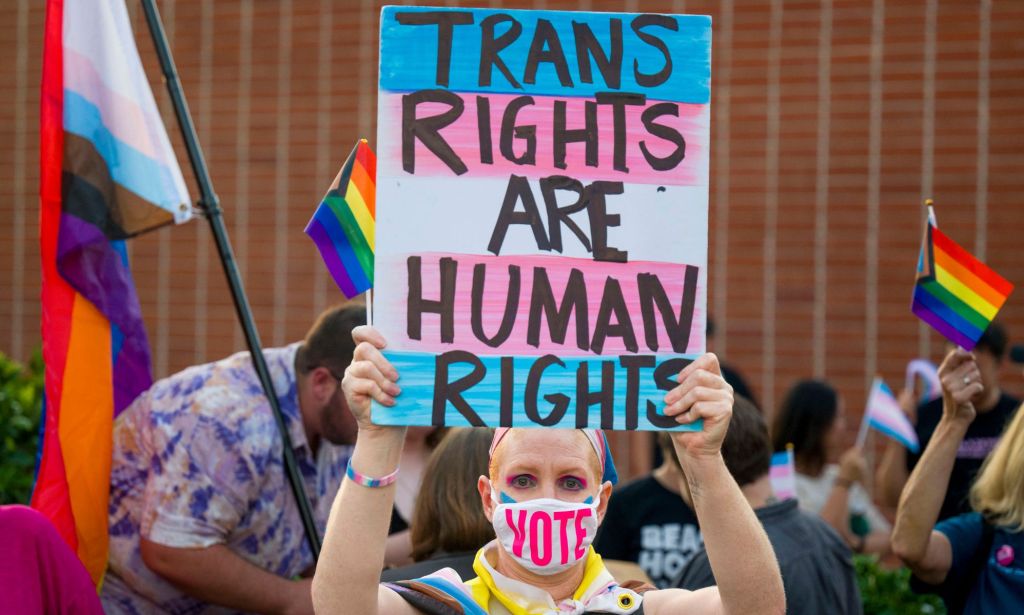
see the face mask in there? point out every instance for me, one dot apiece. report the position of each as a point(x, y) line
point(545, 535)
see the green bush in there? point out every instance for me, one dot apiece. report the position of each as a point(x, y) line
point(887, 592)
point(21, 405)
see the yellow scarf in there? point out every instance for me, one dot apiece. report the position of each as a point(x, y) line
point(597, 592)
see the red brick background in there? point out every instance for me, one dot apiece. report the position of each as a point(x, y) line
point(831, 120)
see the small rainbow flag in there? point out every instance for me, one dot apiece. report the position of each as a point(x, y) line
point(342, 226)
point(957, 294)
point(782, 474)
point(883, 413)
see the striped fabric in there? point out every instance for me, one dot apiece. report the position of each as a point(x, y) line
point(883, 414)
point(343, 225)
point(108, 172)
point(782, 474)
point(957, 294)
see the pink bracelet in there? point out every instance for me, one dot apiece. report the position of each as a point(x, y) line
point(366, 481)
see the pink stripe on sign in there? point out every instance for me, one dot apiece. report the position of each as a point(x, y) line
point(464, 137)
point(652, 294)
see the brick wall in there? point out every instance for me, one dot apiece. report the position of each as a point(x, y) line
point(831, 119)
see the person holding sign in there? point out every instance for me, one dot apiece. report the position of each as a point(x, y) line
point(545, 499)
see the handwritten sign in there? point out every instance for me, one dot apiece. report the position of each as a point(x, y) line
point(542, 191)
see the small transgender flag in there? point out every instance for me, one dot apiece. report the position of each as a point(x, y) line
point(884, 414)
point(783, 474)
point(343, 225)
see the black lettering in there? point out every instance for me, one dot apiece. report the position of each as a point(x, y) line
point(445, 22)
point(618, 102)
point(574, 299)
point(612, 302)
point(653, 293)
point(588, 47)
point(483, 122)
point(451, 392)
point(428, 129)
point(633, 365)
point(490, 47)
point(600, 220)
point(665, 132)
point(518, 190)
point(477, 305)
point(561, 136)
point(604, 395)
point(416, 305)
point(557, 216)
point(525, 133)
point(650, 80)
point(545, 47)
point(507, 391)
point(665, 379)
point(559, 402)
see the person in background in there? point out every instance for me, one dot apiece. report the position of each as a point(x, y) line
point(648, 523)
point(448, 526)
point(554, 481)
point(994, 410)
point(817, 567)
point(974, 560)
point(733, 377)
point(420, 442)
point(39, 573)
point(201, 513)
point(811, 418)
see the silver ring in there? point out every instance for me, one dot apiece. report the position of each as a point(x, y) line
point(967, 379)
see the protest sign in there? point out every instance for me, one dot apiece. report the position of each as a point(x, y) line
point(542, 191)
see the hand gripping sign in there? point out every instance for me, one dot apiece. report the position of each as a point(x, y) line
point(542, 191)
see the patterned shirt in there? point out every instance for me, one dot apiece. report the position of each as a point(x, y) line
point(197, 461)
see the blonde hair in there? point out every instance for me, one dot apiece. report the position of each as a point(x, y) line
point(496, 456)
point(998, 492)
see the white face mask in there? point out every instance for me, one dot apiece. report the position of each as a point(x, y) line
point(545, 535)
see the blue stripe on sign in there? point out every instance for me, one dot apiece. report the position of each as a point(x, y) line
point(409, 54)
point(416, 402)
point(129, 167)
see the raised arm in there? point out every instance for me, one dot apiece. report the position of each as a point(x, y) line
point(925, 551)
point(836, 511)
point(348, 573)
point(738, 549)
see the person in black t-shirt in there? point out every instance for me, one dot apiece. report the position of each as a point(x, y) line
point(649, 523)
point(816, 564)
point(995, 409)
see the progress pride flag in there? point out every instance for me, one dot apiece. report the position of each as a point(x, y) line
point(542, 214)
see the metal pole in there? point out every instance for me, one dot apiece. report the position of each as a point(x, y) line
point(209, 203)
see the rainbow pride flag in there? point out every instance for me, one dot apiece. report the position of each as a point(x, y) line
point(343, 225)
point(883, 413)
point(107, 172)
point(957, 294)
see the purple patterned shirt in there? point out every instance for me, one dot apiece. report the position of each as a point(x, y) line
point(197, 461)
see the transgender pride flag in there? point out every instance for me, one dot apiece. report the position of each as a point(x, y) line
point(782, 474)
point(884, 414)
point(107, 172)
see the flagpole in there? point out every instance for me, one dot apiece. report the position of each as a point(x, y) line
point(862, 434)
point(210, 205)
